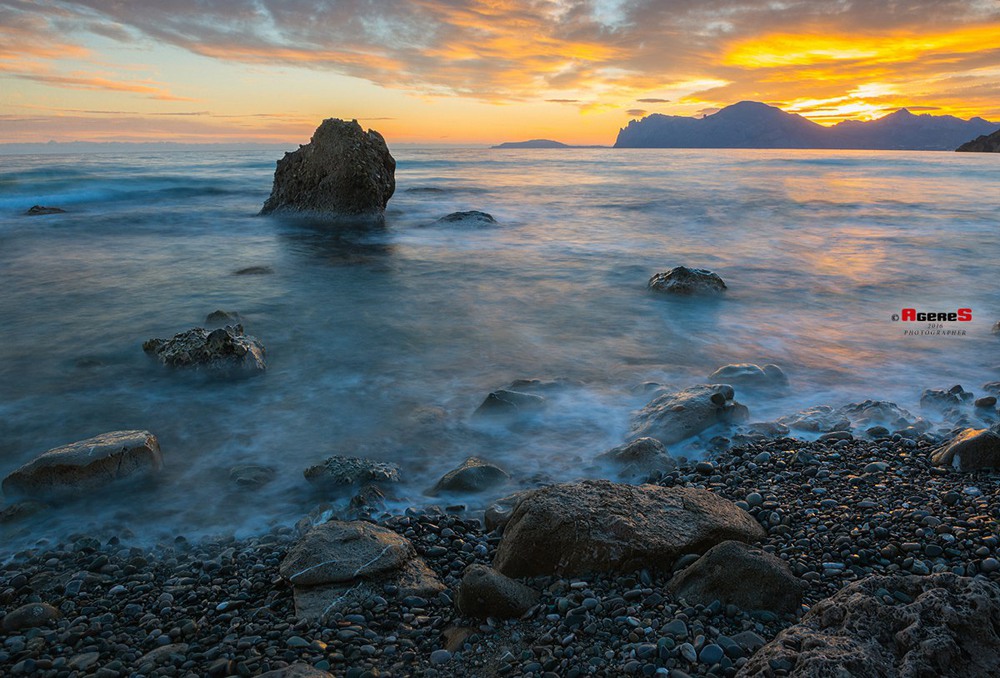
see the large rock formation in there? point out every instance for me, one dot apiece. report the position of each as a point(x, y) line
point(986, 143)
point(599, 526)
point(970, 450)
point(226, 348)
point(672, 417)
point(87, 466)
point(337, 564)
point(737, 574)
point(902, 625)
point(343, 172)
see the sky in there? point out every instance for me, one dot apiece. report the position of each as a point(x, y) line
point(476, 71)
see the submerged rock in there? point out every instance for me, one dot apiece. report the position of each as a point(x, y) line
point(254, 270)
point(595, 526)
point(339, 470)
point(737, 574)
point(937, 625)
point(342, 172)
point(484, 592)
point(226, 348)
point(672, 417)
point(945, 398)
point(863, 415)
point(683, 280)
point(750, 375)
point(640, 456)
point(86, 466)
point(473, 475)
point(20, 510)
point(970, 450)
point(251, 476)
point(470, 218)
point(505, 403)
point(223, 318)
point(39, 210)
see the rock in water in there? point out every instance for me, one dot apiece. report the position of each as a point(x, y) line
point(474, 475)
point(339, 470)
point(737, 574)
point(342, 172)
point(684, 280)
point(39, 210)
point(950, 626)
point(599, 526)
point(672, 417)
point(87, 466)
point(748, 374)
point(641, 456)
point(470, 218)
point(970, 450)
point(484, 592)
point(223, 349)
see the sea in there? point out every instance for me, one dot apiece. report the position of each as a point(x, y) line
point(383, 342)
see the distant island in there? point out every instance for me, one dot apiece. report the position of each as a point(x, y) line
point(983, 144)
point(539, 143)
point(751, 124)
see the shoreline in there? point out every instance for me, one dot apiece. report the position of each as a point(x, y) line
point(835, 510)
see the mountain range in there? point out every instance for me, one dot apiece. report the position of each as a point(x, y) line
point(751, 124)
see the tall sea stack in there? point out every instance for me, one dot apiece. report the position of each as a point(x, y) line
point(343, 173)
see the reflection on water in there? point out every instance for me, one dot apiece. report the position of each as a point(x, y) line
point(366, 330)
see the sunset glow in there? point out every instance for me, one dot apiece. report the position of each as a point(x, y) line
point(476, 71)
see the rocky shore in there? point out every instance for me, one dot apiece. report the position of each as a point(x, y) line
point(837, 512)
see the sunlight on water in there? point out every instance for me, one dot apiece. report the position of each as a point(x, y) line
point(819, 249)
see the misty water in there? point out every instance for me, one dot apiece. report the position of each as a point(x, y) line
point(382, 344)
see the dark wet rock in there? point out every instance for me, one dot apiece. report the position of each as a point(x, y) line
point(943, 398)
point(996, 327)
point(251, 476)
point(986, 401)
point(672, 417)
point(970, 450)
point(771, 429)
point(87, 466)
point(339, 470)
point(937, 625)
point(21, 510)
point(735, 573)
point(226, 348)
point(750, 375)
point(254, 270)
point(368, 500)
point(343, 172)
point(863, 415)
point(39, 210)
point(473, 475)
point(223, 318)
point(600, 526)
point(819, 418)
point(685, 281)
point(498, 513)
point(484, 592)
point(296, 670)
point(505, 403)
point(470, 218)
point(340, 551)
point(640, 456)
point(992, 387)
point(29, 616)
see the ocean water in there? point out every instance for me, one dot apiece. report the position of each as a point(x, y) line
point(367, 332)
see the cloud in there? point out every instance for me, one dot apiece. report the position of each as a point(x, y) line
point(652, 100)
point(563, 101)
point(636, 112)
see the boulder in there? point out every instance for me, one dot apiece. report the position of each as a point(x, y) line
point(686, 281)
point(970, 450)
point(343, 172)
point(223, 318)
point(750, 375)
point(737, 574)
point(21, 510)
point(339, 551)
point(640, 456)
point(473, 475)
point(340, 564)
point(226, 348)
point(672, 417)
point(506, 403)
point(250, 476)
point(599, 526)
point(339, 470)
point(944, 398)
point(900, 625)
point(470, 218)
point(86, 466)
point(863, 415)
point(39, 210)
point(498, 513)
point(29, 616)
point(484, 592)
